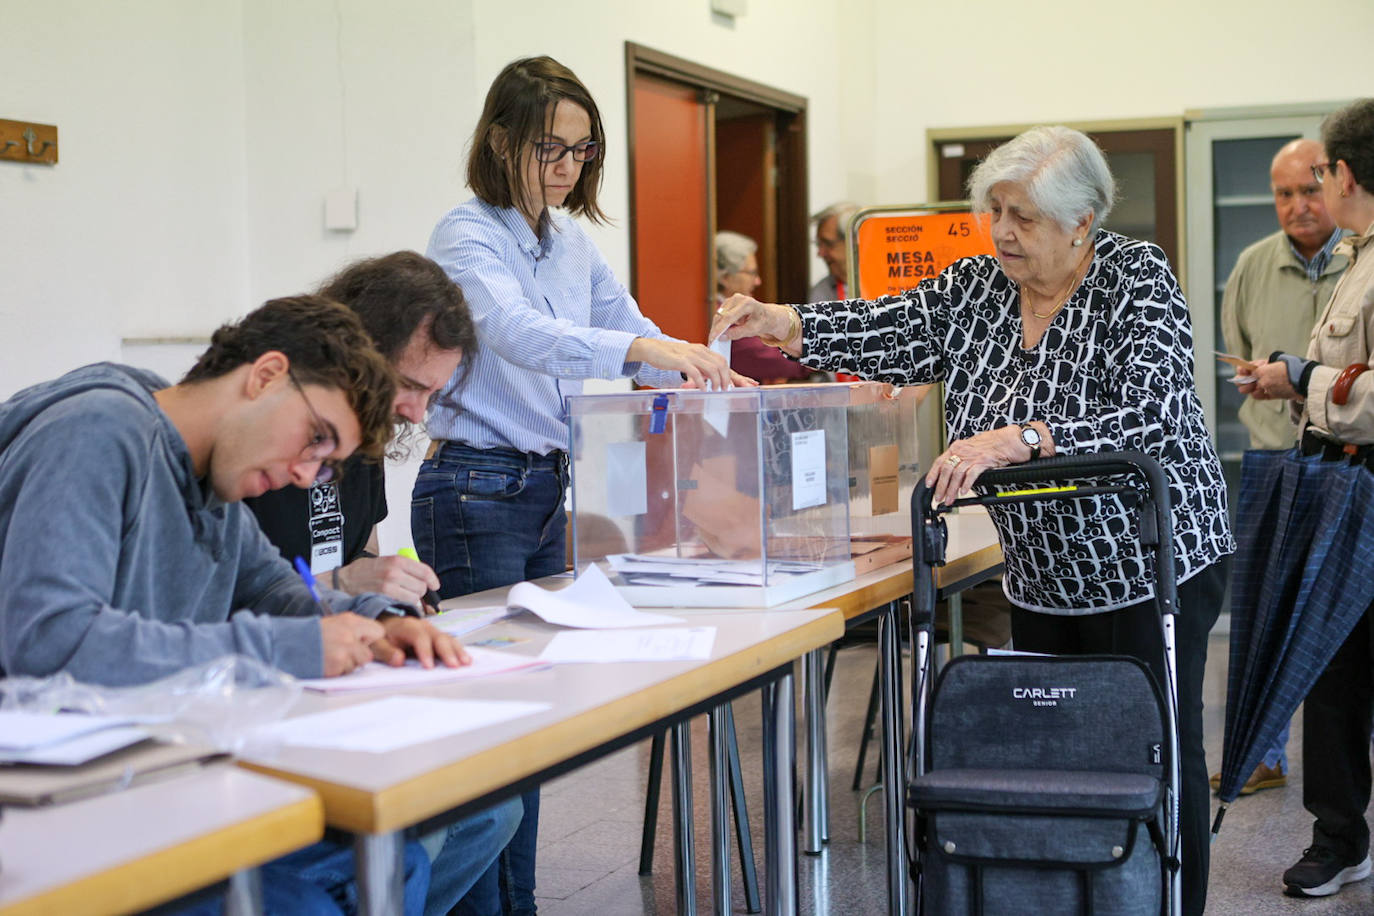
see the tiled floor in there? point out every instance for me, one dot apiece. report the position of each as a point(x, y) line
point(590, 826)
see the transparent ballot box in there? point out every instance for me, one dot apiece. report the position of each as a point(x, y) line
point(883, 468)
point(733, 498)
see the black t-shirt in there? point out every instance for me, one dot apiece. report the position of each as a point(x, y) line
point(326, 525)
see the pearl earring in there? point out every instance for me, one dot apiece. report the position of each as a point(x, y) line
point(1077, 243)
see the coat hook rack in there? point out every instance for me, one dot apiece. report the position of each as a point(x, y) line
point(25, 141)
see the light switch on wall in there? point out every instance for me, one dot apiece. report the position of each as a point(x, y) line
point(341, 210)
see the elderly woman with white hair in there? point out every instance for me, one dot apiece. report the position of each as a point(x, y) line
point(737, 271)
point(1072, 339)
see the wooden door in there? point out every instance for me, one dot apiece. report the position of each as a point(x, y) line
point(672, 219)
point(746, 187)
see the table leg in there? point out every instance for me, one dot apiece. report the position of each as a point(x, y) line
point(894, 744)
point(955, 604)
point(817, 764)
point(683, 847)
point(720, 810)
point(381, 873)
point(244, 894)
point(780, 837)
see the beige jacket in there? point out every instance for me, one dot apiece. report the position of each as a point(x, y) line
point(1269, 305)
point(1341, 337)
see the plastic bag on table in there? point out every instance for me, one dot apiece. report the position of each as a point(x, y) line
point(218, 703)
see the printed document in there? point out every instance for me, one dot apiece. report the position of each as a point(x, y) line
point(655, 645)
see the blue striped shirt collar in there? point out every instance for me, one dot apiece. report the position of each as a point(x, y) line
point(515, 221)
point(1317, 264)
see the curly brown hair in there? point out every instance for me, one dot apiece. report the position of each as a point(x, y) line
point(519, 112)
point(396, 293)
point(325, 344)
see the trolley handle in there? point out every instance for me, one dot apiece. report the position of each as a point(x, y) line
point(928, 529)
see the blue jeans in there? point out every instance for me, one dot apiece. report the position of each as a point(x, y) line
point(320, 880)
point(470, 848)
point(484, 518)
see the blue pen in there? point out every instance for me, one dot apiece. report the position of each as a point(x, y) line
point(308, 578)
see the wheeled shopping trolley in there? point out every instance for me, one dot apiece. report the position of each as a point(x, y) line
point(1046, 784)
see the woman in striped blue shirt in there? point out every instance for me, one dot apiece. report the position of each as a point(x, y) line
point(488, 503)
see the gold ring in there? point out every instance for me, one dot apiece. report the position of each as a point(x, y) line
point(953, 460)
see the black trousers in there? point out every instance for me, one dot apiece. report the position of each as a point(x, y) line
point(1335, 746)
point(1135, 631)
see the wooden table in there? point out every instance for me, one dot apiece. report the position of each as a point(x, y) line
point(596, 710)
point(129, 850)
point(973, 555)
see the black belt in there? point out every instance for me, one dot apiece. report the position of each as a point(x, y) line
point(1331, 450)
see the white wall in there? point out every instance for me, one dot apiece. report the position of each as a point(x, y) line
point(139, 230)
point(350, 93)
point(1011, 62)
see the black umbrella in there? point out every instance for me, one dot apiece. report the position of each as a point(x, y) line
point(1303, 576)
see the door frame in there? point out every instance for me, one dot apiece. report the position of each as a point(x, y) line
point(793, 237)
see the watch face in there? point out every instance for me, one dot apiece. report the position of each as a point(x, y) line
point(1030, 435)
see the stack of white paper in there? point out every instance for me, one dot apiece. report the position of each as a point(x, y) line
point(690, 572)
point(63, 739)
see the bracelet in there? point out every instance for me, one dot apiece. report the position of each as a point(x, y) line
point(793, 331)
point(1340, 389)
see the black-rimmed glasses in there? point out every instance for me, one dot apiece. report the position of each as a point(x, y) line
point(323, 440)
point(548, 151)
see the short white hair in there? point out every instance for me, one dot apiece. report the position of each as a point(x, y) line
point(732, 250)
point(1061, 170)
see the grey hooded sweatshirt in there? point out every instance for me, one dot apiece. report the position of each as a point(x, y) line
point(116, 564)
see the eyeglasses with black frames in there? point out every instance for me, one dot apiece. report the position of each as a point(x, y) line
point(324, 441)
point(550, 151)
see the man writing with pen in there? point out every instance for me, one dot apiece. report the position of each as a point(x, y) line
point(419, 322)
point(126, 554)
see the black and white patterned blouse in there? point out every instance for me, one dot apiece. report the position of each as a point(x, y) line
point(1113, 371)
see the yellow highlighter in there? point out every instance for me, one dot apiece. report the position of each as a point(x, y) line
point(431, 596)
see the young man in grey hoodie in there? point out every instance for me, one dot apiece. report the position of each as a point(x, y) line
point(125, 554)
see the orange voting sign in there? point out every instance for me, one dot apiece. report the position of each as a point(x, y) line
point(898, 250)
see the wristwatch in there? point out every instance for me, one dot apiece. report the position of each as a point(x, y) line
point(1031, 437)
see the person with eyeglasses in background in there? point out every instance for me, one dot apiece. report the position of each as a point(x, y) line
point(126, 554)
point(487, 509)
point(1331, 394)
point(737, 271)
point(832, 235)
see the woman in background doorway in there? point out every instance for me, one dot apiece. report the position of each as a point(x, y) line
point(737, 271)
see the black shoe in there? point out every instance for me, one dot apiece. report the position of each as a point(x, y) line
point(1321, 872)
